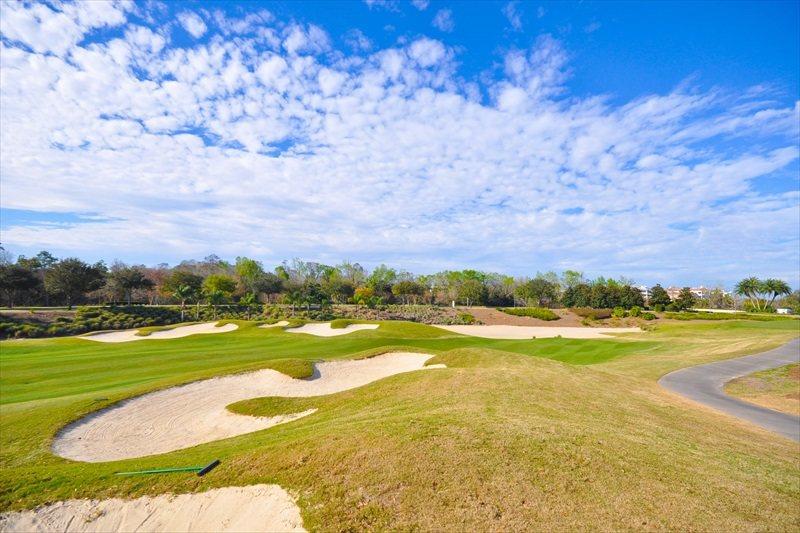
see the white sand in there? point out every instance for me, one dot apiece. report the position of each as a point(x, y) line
point(539, 332)
point(324, 329)
point(129, 335)
point(253, 508)
point(188, 415)
point(280, 324)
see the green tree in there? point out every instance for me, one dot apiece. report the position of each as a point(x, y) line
point(182, 293)
point(214, 298)
point(792, 301)
point(219, 283)
point(538, 292)
point(179, 278)
point(407, 290)
point(750, 288)
point(16, 280)
point(685, 299)
point(579, 295)
point(249, 302)
point(775, 288)
point(71, 279)
point(381, 279)
point(269, 284)
point(127, 279)
point(364, 296)
point(249, 271)
point(472, 291)
point(659, 296)
point(572, 278)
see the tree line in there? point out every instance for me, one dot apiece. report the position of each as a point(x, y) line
point(44, 280)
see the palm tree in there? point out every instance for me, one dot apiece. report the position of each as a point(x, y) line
point(750, 288)
point(214, 299)
point(182, 293)
point(775, 287)
point(249, 301)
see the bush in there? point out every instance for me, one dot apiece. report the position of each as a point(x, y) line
point(534, 312)
point(659, 308)
point(618, 312)
point(635, 311)
point(648, 316)
point(590, 313)
point(466, 318)
point(750, 308)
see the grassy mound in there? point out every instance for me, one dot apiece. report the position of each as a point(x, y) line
point(534, 312)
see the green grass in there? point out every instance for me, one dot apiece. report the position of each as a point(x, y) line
point(341, 323)
point(549, 433)
point(534, 312)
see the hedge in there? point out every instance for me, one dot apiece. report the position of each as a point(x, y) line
point(534, 312)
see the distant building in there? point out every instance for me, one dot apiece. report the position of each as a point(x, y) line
point(784, 310)
point(701, 292)
point(673, 292)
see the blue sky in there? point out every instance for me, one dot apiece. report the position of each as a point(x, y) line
point(653, 140)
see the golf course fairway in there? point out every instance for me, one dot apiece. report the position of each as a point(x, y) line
point(512, 434)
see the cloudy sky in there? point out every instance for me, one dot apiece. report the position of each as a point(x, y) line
point(657, 141)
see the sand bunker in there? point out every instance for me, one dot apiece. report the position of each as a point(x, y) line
point(324, 329)
point(253, 508)
point(529, 332)
point(187, 415)
point(280, 324)
point(129, 335)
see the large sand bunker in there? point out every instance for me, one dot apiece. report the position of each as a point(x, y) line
point(324, 329)
point(187, 415)
point(253, 508)
point(129, 335)
point(530, 332)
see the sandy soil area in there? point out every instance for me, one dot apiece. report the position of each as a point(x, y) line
point(324, 329)
point(530, 332)
point(253, 508)
point(279, 324)
point(129, 335)
point(187, 415)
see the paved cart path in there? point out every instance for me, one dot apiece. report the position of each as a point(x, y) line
point(704, 383)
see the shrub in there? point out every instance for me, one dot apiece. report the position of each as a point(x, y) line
point(593, 314)
point(751, 308)
point(648, 316)
point(466, 318)
point(635, 311)
point(534, 312)
point(659, 308)
point(700, 315)
point(618, 312)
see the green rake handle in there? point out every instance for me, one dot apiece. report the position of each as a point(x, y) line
point(201, 470)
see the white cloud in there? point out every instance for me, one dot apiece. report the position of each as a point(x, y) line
point(427, 52)
point(286, 147)
point(422, 5)
point(192, 23)
point(444, 20)
point(514, 17)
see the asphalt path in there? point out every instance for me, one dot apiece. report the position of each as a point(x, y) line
point(704, 383)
